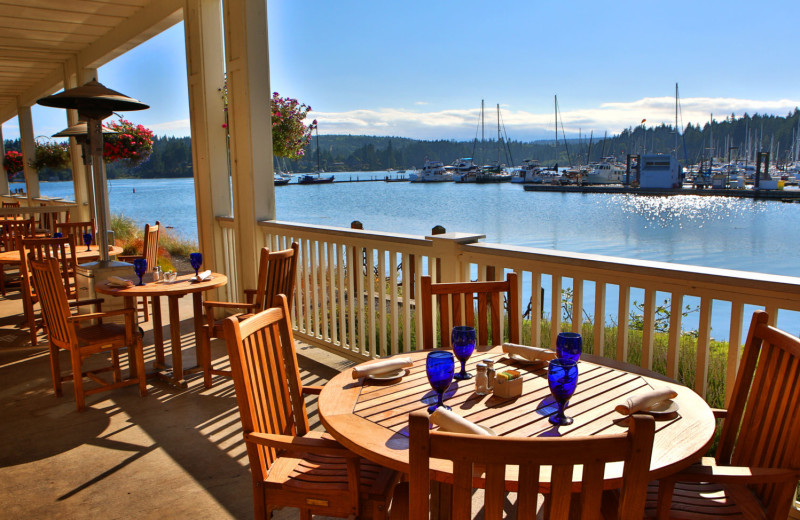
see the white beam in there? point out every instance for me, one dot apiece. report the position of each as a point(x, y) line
point(249, 117)
point(79, 177)
point(205, 70)
point(3, 175)
point(28, 145)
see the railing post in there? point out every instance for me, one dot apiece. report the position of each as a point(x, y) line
point(446, 247)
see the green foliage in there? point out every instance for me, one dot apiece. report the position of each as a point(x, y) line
point(50, 154)
point(662, 316)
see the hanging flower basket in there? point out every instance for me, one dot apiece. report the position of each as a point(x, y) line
point(12, 162)
point(50, 154)
point(289, 135)
point(132, 142)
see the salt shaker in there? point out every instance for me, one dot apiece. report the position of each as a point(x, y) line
point(481, 380)
point(490, 372)
point(157, 273)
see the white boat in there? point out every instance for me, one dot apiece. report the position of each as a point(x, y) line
point(432, 171)
point(465, 170)
point(529, 173)
point(607, 171)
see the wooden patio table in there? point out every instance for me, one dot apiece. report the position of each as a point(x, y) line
point(81, 254)
point(371, 417)
point(173, 291)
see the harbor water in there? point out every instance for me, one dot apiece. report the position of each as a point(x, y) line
point(730, 233)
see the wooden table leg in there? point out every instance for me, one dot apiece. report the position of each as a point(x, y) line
point(197, 304)
point(158, 333)
point(175, 338)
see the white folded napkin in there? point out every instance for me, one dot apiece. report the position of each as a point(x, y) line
point(382, 367)
point(116, 281)
point(449, 421)
point(529, 353)
point(645, 400)
point(202, 277)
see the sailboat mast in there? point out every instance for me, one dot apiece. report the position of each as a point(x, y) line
point(676, 121)
point(319, 169)
point(498, 134)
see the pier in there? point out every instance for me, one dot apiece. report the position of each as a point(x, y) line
point(781, 195)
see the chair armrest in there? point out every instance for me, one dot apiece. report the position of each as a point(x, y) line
point(128, 258)
point(707, 471)
point(312, 389)
point(299, 444)
point(208, 304)
point(719, 413)
point(80, 303)
point(99, 315)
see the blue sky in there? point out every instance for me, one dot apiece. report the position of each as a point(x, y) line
point(420, 69)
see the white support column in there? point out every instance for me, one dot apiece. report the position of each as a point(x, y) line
point(84, 75)
point(205, 69)
point(28, 144)
point(250, 125)
point(79, 177)
point(4, 190)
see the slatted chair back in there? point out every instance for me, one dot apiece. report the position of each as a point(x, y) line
point(63, 250)
point(762, 426)
point(481, 461)
point(261, 348)
point(476, 304)
point(276, 275)
point(78, 229)
point(150, 246)
point(48, 220)
point(53, 301)
point(12, 230)
point(12, 204)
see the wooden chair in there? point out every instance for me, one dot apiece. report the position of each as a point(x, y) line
point(12, 204)
point(457, 298)
point(81, 342)
point(78, 229)
point(63, 250)
point(292, 466)
point(757, 464)
point(48, 221)
point(10, 232)
point(276, 275)
point(149, 253)
point(480, 461)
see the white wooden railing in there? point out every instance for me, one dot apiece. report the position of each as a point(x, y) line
point(384, 268)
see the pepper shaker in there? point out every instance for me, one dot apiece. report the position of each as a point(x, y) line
point(490, 372)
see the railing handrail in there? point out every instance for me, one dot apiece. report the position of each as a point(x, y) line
point(396, 238)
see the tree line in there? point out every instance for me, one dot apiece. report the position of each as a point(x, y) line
point(737, 137)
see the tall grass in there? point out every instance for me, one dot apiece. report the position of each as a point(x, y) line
point(130, 237)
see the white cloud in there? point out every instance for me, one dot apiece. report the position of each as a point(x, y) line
point(179, 127)
point(522, 125)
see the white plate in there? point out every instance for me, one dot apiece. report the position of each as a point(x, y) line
point(488, 430)
point(523, 360)
point(388, 376)
point(663, 408)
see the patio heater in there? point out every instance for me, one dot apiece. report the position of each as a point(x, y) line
point(95, 102)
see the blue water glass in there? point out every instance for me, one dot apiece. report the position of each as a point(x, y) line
point(569, 345)
point(58, 235)
point(440, 366)
point(196, 259)
point(139, 267)
point(562, 377)
point(463, 341)
point(87, 239)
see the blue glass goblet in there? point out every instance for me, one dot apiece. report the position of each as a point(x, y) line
point(562, 377)
point(58, 235)
point(87, 239)
point(569, 345)
point(439, 366)
point(196, 259)
point(139, 267)
point(463, 341)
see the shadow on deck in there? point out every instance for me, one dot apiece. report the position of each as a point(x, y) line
point(172, 454)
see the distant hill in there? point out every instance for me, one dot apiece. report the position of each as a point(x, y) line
point(172, 156)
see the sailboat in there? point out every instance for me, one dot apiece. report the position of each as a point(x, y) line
point(315, 178)
point(495, 172)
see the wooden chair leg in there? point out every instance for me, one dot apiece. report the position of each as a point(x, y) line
point(77, 379)
point(146, 309)
point(115, 363)
point(55, 370)
point(138, 360)
point(205, 355)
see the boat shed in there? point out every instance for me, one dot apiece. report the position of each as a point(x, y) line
point(659, 171)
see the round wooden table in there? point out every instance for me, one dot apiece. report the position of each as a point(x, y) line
point(173, 291)
point(371, 417)
point(81, 254)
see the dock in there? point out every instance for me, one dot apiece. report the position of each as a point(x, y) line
point(781, 195)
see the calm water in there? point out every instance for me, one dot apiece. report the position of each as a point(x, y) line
point(722, 232)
